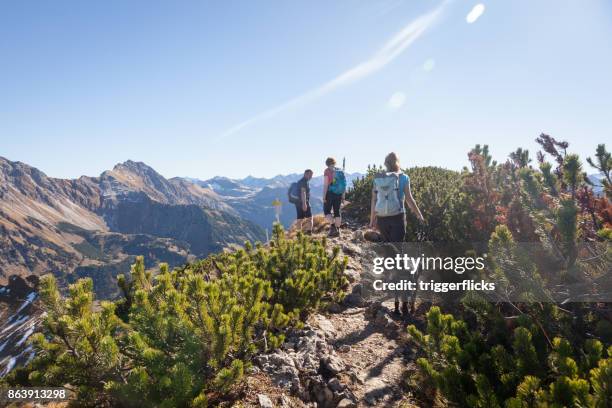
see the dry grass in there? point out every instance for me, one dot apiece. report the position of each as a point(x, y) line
point(319, 226)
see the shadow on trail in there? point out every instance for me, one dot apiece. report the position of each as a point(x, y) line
point(357, 336)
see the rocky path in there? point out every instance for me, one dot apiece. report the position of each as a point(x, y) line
point(353, 355)
point(375, 361)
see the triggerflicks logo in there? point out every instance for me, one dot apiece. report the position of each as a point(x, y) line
point(433, 286)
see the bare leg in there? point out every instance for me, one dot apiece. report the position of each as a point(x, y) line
point(309, 224)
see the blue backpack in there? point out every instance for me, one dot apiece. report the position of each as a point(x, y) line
point(338, 185)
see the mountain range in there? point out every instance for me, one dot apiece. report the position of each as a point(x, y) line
point(95, 226)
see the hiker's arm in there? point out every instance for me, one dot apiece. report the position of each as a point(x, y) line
point(325, 186)
point(372, 210)
point(303, 199)
point(411, 203)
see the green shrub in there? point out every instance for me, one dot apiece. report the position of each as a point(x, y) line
point(470, 371)
point(180, 337)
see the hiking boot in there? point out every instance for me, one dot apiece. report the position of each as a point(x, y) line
point(333, 231)
point(405, 311)
point(397, 309)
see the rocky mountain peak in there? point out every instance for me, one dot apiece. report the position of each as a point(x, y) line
point(131, 176)
point(135, 167)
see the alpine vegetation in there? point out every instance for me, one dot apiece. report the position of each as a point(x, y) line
point(183, 337)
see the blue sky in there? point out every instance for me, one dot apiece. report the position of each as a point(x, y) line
point(266, 87)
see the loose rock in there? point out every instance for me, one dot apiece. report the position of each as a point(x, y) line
point(334, 364)
point(352, 275)
point(326, 327)
point(264, 401)
point(345, 348)
point(335, 385)
point(334, 308)
point(346, 403)
point(321, 393)
point(373, 236)
point(351, 249)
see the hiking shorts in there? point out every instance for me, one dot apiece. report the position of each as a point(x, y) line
point(301, 214)
point(332, 202)
point(392, 228)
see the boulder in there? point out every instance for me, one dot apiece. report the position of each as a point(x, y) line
point(390, 327)
point(354, 264)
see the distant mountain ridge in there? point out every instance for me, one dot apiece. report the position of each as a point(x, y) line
point(252, 197)
point(95, 226)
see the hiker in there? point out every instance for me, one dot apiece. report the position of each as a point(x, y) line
point(334, 188)
point(390, 195)
point(299, 194)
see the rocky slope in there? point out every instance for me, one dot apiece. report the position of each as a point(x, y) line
point(19, 317)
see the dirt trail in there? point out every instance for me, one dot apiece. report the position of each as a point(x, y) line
point(376, 362)
point(365, 340)
point(370, 340)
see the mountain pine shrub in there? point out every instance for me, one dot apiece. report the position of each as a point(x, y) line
point(182, 338)
point(547, 229)
point(469, 370)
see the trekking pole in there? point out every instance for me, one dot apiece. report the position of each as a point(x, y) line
point(414, 293)
point(421, 237)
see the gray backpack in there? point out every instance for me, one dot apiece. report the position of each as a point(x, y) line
point(293, 194)
point(388, 202)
